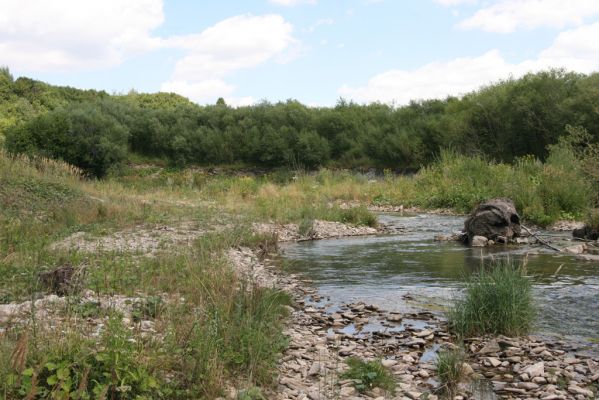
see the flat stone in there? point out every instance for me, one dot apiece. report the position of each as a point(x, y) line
point(579, 390)
point(413, 395)
point(424, 333)
point(490, 347)
point(528, 385)
point(493, 362)
point(537, 369)
point(347, 391)
point(388, 363)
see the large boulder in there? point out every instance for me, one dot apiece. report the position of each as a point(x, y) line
point(586, 232)
point(495, 219)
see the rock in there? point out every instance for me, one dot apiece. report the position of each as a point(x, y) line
point(528, 385)
point(586, 232)
point(491, 347)
point(347, 391)
point(492, 361)
point(413, 395)
point(388, 363)
point(314, 369)
point(424, 333)
point(467, 369)
point(579, 390)
point(537, 369)
point(479, 241)
point(576, 249)
point(493, 219)
point(394, 317)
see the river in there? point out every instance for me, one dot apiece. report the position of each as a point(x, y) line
point(410, 271)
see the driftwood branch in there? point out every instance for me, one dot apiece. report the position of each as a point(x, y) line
point(543, 242)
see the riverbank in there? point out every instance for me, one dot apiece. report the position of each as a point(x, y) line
point(323, 338)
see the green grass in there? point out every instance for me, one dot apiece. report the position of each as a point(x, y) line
point(368, 375)
point(449, 365)
point(497, 300)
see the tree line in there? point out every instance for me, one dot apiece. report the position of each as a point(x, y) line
point(98, 131)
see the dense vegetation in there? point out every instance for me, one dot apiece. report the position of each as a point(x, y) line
point(95, 131)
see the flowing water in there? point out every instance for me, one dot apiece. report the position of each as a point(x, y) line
point(410, 271)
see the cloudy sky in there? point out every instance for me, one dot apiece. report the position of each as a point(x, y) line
point(315, 51)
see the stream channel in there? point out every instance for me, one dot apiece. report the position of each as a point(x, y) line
point(410, 271)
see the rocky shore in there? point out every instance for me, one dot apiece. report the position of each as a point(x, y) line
point(322, 337)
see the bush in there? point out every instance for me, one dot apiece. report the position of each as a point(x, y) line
point(368, 375)
point(498, 300)
point(81, 135)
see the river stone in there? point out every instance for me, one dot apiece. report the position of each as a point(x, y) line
point(493, 362)
point(394, 317)
point(528, 385)
point(576, 249)
point(491, 347)
point(579, 390)
point(347, 391)
point(494, 219)
point(388, 363)
point(537, 369)
point(479, 241)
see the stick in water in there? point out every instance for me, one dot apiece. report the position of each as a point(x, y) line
point(541, 240)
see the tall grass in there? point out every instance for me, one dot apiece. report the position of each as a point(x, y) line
point(450, 369)
point(497, 300)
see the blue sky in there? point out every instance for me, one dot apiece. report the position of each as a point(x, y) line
point(315, 51)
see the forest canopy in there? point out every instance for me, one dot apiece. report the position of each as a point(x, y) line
point(97, 131)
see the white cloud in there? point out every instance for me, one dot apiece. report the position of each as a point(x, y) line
point(233, 44)
point(506, 16)
point(290, 3)
point(439, 79)
point(72, 34)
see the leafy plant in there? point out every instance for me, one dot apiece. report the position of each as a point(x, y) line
point(368, 375)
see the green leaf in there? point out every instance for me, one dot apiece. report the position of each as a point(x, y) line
point(63, 373)
point(28, 372)
point(52, 380)
point(50, 366)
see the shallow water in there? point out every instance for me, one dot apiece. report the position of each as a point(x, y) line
point(410, 271)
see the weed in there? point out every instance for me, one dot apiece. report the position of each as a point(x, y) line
point(148, 308)
point(306, 227)
point(368, 375)
point(450, 369)
point(497, 300)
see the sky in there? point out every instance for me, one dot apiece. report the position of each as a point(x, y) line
point(314, 51)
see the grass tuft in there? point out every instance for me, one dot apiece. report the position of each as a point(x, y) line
point(497, 300)
point(450, 369)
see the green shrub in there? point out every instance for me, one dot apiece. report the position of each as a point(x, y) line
point(358, 216)
point(497, 300)
point(82, 135)
point(450, 369)
point(112, 370)
point(368, 375)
